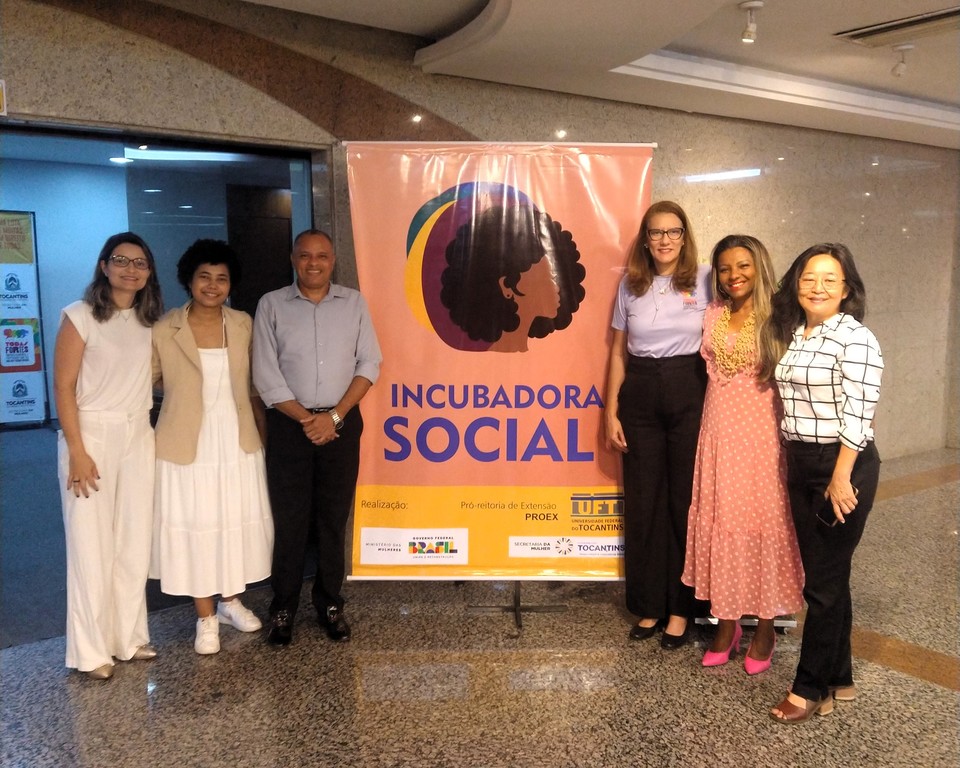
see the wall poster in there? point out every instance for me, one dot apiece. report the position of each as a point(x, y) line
point(23, 392)
point(491, 271)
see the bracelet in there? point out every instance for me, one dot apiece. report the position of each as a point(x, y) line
point(337, 421)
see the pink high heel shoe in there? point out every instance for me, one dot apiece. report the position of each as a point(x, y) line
point(756, 666)
point(718, 658)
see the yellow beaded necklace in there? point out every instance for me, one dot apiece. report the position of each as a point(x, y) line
point(744, 352)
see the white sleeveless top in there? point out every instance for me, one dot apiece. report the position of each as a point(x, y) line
point(115, 373)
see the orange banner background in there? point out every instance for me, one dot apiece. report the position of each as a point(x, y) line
point(443, 418)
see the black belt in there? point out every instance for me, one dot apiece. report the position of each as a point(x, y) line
point(320, 410)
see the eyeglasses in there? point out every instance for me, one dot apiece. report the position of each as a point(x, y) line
point(657, 234)
point(122, 261)
point(830, 283)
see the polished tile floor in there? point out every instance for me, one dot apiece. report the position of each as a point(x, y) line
point(429, 681)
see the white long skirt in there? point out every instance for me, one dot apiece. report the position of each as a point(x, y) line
point(215, 529)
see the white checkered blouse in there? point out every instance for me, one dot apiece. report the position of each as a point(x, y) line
point(830, 383)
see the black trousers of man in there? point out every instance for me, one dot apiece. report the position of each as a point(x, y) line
point(310, 485)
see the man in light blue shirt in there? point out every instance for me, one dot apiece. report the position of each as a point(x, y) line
point(315, 355)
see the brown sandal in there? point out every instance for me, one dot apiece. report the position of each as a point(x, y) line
point(791, 714)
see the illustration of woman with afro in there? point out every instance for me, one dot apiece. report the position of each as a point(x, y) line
point(512, 274)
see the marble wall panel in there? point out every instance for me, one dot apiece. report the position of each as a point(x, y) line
point(895, 204)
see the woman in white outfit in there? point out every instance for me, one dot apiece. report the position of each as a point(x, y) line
point(101, 382)
point(215, 529)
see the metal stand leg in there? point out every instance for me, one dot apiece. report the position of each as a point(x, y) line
point(517, 608)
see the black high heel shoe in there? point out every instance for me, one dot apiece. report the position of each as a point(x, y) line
point(671, 642)
point(643, 633)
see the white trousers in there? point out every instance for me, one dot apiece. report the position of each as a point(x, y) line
point(108, 540)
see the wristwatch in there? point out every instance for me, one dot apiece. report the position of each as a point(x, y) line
point(337, 421)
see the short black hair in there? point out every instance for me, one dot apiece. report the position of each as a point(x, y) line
point(207, 252)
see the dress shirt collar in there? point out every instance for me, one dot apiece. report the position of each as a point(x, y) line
point(830, 324)
point(293, 292)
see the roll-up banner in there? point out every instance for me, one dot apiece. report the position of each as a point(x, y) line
point(490, 271)
point(23, 392)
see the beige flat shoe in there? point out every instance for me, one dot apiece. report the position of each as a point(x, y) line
point(144, 653)
point(103, 672)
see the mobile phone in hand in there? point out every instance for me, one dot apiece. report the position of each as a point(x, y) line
point(825, 513)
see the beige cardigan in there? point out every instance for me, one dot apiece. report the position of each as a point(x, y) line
point(176, 363)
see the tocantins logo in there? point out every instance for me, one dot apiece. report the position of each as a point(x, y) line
point(20, 389)
point(486, 270)
point(11, 282)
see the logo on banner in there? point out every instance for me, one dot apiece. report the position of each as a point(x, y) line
point(563, 546)
point(19, 402)
point(573, 546)
point(409, 546)
point(11, 282)
point(487, 270)
point(17, 348)
point(435, 547)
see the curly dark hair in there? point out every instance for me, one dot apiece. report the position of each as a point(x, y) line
point(787, 312)
point(148, 302)
point(208, 252)
point(504, 242)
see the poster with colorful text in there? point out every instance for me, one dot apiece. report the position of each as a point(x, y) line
point(490, 271)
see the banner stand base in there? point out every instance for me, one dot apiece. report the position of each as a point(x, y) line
point(517, 608)
point(780, 623)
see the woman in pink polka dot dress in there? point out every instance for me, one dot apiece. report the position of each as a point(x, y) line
point(742, 552)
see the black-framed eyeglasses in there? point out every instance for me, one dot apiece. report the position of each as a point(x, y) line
point(674, 233)
point(122, 261)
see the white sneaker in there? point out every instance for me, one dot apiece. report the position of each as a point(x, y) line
point(208, 636)
point(238, 616)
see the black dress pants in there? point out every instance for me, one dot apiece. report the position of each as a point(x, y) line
point(310, 485)
point(660, 405)
point(827, 553)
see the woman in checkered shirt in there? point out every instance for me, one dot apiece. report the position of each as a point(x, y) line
point(829, 382)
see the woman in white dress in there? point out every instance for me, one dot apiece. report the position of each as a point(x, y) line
point(101, 384)
point(214, 527)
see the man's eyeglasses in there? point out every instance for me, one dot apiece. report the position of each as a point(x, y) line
point(122, 261)
point(830, 283)
point(657, 234)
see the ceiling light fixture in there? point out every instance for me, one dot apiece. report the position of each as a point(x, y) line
point(749, 34)
point(900, 68)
